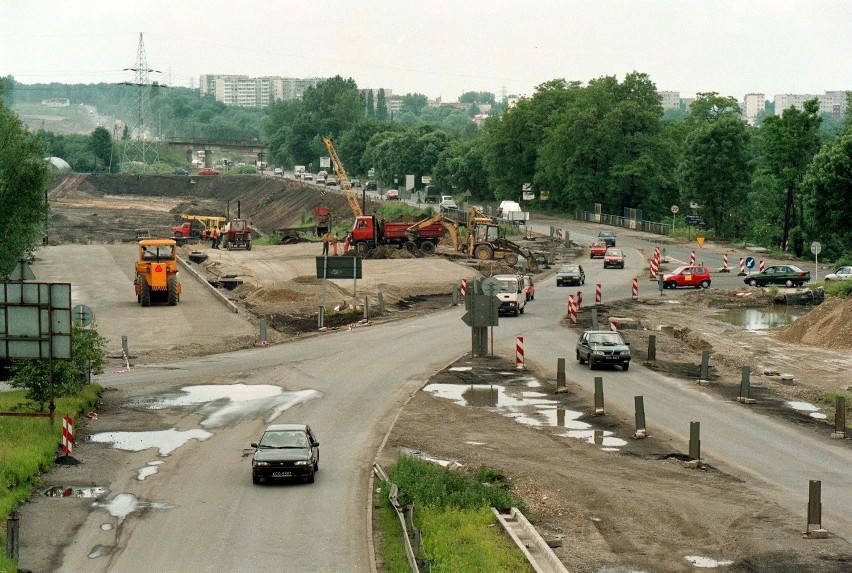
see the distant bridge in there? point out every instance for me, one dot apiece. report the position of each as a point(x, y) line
point(253, 150)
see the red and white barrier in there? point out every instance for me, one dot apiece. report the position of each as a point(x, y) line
point(462, 288)
point(519, 353)
point(635, 288)
point(725, 268)
point(572, 310)
point(762, 266)
point(613, 325)
point(692, 258)
point(653, 267)
point(67, 435)
point(598, 293)
point(742, 268)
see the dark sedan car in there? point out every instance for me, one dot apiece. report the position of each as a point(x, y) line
point(607, 237)
point(603, 347)
point(786, 275)
point(285, 451)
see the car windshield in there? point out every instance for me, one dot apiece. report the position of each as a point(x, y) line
point(508, 286)
point(605, 234)
point(605, 338)
point(284, 439)
point(158, 253)
point(569, 269)
point(613, 253)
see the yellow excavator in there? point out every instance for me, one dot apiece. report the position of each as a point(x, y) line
point(484, 242)
point(342, 178)
point(452, 229)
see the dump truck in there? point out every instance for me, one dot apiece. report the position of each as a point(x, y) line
point(237, 234)
point(196, 226)
point(156, 277)
point(370, 232)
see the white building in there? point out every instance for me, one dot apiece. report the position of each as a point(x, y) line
point(753, 105)
point(244, 91)
point(832, 102)
point(670, 100)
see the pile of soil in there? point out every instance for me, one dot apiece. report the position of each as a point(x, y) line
point(829, 325)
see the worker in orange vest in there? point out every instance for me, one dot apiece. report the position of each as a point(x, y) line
point(214, 237)
point(346, 243)
point(334, 240)
point(325, 239)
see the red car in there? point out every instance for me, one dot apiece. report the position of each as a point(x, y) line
point(207, 171)
point(597, 249)
point(688, 276)
point(614, 258)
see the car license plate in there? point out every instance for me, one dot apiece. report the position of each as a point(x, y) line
point(282, 474)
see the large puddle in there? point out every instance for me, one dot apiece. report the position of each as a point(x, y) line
point(527, 406)
point(762, 318)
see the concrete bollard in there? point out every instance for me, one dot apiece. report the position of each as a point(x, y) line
point(594, 319)
point(261, 326)
point(694, 445)
point(321, 318)
point(641, 432)
point(839, 418)
point(560, 374)
point(599, 396)
point(745, 387)
point(381, 303)
point(366, 308)
point(814, 529)
point(455, 295)
point(704, 373)
point(13, 524)
point(652, 348)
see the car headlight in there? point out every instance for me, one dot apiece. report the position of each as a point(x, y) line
point(261, 463)
point(303, 462)
point(597, 352)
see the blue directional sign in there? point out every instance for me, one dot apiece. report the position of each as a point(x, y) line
point(749, 262)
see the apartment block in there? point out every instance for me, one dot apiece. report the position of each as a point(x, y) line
point(831, 102)
point(753, 105)
point(245, 91)
point(670, 100)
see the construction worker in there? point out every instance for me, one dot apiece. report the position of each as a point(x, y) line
point(214, 238)
point(334, 245)
point(346, 243)
point(325, 239)
point(218, 236)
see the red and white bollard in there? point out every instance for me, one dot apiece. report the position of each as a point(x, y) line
point(725, 268)
point(653, 267)
point(635, 288)
point(613, 324)
point(692, 258)
point(579, 300)
point(598, 293)
point(762, 266)
point(462, 288)
point(67, 435)
point(572, 310)
point(519, 353)
point(742, 268)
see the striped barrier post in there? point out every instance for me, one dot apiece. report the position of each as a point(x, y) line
point(519, 353)
point(635, 288)
point(742, 268)
point(725, 268)
point(653, 268)
point(762, 266)
point(692, 258)
point(598, 293)
point(462, 288)
point(613, 324)
point(67, 435)
point(572, 310)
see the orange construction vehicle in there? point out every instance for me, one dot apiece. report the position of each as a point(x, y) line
point(157, 272)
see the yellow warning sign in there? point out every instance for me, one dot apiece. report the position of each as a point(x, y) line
point(700, 241)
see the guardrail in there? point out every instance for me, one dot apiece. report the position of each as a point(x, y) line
point(625, 222)
point(406, 520)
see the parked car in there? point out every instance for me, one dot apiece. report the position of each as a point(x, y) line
point(285, 451)
point(320, 179)
point(207, 171)
point(355, 183)
point(307, 177)
point(603, 347)
point(392, 195)
point(688, 276)
point(841, 274)
point(570, 275)
point(371, 186)
point(447, 202)
point(181, 171)
point(607, 237)
point(278, 171)
point(614, 258)
point(787, 275)
point(529, 288)
point(330, 181)
point(597, 250)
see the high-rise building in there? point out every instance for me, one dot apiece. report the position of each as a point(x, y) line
point(831, 102)
point(753, 105)
point(670, 100)
point(243, 91)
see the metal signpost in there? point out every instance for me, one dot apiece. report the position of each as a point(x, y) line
point(815, 249)
point(675, 209)
point(481, 313)
point(338, 268)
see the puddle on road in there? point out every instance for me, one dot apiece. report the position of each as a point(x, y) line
point(707, 562)
point(124, 504)
point(166, 441)
point(526, 407)
point(150, 469)
point(70, 491)
point(100, 551)
point(812, 410)
point(762, 319)
point(231, 403)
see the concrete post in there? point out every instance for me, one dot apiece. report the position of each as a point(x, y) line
point(745, 387)
point(321, 317)
point(704, 375)
point(694, 444)
point(560, 373)
point(599, 396)
point(12, 535)
point(455, 295)
point(381, 303)
point(639, 403)
point(261, 325)
point(814, 528)
point(594, 319)
point(366, 308)
point(652, 347)
point(839, 418)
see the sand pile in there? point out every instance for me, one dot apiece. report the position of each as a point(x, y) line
point(828, 325)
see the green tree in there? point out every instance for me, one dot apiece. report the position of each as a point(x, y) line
point(461, 168)
point(826, 191)
point(477, 97)
point(381, 106)
point(101, 147)
point(24, 176)
point(371, 105)
point(715, 170)
point(789, 144)
point(413, 103)
point(87, 350)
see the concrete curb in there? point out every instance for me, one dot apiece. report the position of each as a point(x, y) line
point(222, 298)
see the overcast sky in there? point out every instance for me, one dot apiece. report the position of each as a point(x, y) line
point(439, 47)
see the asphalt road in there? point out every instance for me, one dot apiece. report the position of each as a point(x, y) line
point(220, 521)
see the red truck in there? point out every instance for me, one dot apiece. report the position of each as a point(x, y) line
point(186, 230)
point(370, 232)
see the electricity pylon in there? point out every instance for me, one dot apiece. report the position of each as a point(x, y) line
point(139, 153)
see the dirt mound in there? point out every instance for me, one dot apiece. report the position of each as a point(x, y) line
point(829, 325)
point(392, 252)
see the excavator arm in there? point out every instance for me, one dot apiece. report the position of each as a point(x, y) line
point(451, 226)
point(342, 178)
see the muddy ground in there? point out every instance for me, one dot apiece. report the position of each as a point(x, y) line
point(634, 509)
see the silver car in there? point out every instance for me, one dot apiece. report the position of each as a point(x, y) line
point(841, 274)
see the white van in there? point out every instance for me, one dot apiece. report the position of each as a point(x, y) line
point(512, 297)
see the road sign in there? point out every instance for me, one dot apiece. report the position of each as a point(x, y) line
point(675, 209)
point(700, 241)
point(339, 268)
point(490, 286)
point(425, 179)
point(371, 172)
point(35, 320)
point(695, 221)
point(325, 162)
point(816, 248)
point(82, 315)
point(22, 272)
point(749, 262)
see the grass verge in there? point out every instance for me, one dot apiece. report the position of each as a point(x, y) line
point(452, 509)
point(28, 448)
